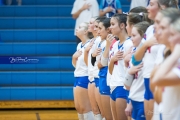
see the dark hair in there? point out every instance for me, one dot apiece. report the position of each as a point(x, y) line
point(134, 18)
point(169, 3)
point(100, 19)
point(167, 53)
point(142, 27)
point(106, 22)
point(138, 10)
point(171, 13)
point(121, 18)
point(90, 35)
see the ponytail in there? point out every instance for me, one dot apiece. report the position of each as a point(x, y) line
point(172, 13)
point(89, 34)
point(169, 3)
point(167, 53)
point(134, 18)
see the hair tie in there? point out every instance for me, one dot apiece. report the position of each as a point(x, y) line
point(141, 13)
point(126, 13)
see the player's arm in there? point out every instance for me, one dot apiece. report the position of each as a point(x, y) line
point(75, 57)
point(164, 75)
point(138, 56)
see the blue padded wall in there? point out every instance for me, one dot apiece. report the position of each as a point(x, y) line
point(42, 29)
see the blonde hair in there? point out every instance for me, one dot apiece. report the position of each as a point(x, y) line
point(169, 3)
point(176, 24)
point(89, 34)
point(142, 27)
point(86, 27)
point(171, 13)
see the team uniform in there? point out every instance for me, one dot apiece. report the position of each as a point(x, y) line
point(157, 115)
point(109, 58)
point(170, 100)
point(115, 4)
point(118, 74)
point(93, 70)
point(136, 93)
point(106, 61)
point(103, 88)
point(148, 61)
point(95, 67)
point(81, 70)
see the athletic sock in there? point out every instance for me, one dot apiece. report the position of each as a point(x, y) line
point(80, 116)
point(88, 116)
point(98, 117)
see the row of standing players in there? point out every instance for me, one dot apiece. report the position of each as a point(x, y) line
point(120, 77)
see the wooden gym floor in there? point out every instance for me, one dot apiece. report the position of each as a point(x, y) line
point(38, 115)
point(37, 110)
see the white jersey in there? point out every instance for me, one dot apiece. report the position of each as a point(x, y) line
point(137, 88)
point(93, 70)
point(101, 45)
point(118, 74)
point(157, 111)
point(150, 55)
point(171, 100)
point(160, 55)
point(137, 3)
point(81, 68)
point(109, 59)
point(158, 61)
point(177, 71)
point(86, 15)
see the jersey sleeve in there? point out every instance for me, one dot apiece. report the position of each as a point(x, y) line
point(128, 45)
point(78, 46)
point(96, 43)
point(95, 9)
point(101, 5)
point(160, 56)
point(75, 8)
point(118, 4)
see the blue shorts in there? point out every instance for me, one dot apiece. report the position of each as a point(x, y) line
point(127, 94)
point(82, 82)
point(138, 110)
point(148, 94)
point(103, 88)
point(96, 80)
point(119, 92)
